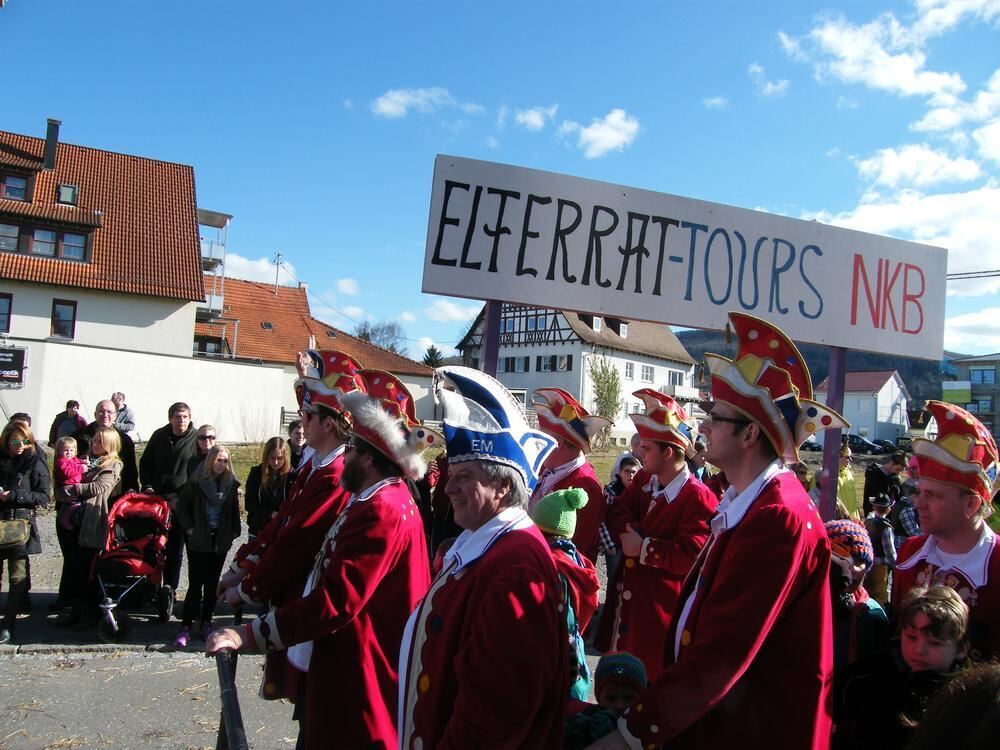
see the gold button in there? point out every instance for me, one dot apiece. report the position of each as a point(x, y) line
point(630, 563)
point(424, 684)
point(686, 638)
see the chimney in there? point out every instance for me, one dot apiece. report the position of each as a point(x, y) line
point(51, 140)
point(304, 285)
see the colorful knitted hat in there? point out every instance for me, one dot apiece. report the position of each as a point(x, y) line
point(620, 668)
point(383, 416)
point(850, 539)
point(664, 421)
point(963, 454)
point(562, 416)
point(555, 513)
point(769, 384)
point(484, 422)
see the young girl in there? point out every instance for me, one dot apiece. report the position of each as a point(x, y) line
point(208, 511)
point(266, 484)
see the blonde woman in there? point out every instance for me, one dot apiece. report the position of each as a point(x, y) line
point(208, 512)
point(100, 486)
point(266, 484)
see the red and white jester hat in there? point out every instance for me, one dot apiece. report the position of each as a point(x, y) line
point(963, 454)
point(383, 415)
point(561, 416)
point(329, 376)
point(664, 421)
point(769, 384)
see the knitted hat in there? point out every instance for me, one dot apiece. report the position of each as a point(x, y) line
point(484, 422)
point(664, 421)
point(561, 416)
point(383, 416)
point(555, 513)
point(619, 668)
point(964, 453)
point(769, 384)
point(850, 539)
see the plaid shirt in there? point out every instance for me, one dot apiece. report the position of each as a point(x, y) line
point(606, 545)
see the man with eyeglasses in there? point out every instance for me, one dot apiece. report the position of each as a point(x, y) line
point(660, 526)
point(345, 627)
point(749, 657)
point(104, 416)
point(164, 468)
point(272, 569)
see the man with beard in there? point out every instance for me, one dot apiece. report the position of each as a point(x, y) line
point(371, 571)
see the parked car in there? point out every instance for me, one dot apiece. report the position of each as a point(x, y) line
point(887, 446)
point(859, 444)
point(904, 443)
point(811, 445)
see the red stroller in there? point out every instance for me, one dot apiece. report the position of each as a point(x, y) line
point(129, 571)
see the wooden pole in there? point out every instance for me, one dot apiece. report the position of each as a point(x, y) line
point(491, 337)
point(831, 438)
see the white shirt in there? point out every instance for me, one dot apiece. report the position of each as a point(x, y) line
point(552, 477)
point(974, 564)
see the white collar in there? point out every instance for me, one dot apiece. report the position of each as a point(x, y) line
point(672, 489)
point(318, 461)
point(367, 494)
point(974, 564)
point(734, 506)
point(550, 477)
point(471, 545)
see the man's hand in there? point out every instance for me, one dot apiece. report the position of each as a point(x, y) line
point(232, 597)
point(613, 741)
point(226, 639)
point(302, 362)
point(631, 542)
point(229, 580)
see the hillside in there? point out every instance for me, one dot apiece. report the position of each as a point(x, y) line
point(922, 377)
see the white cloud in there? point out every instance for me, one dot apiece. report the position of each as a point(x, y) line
point(916, 165)
point(792, 47)
point(966, 223)
point(535, 118)
point(347, 286)
point(348, 104)
point(715, 102)
point(844, 102)
point(954, 112)
point(613, 132)
point(973, 333)
point(937, 17)
point(766, 88)
point(492, 142)
point(882, 55)
point(988, 140)
point(502, 117)
point(355, 312)
point(446, 311)
point(398, 103)
point(259, 269)
point(407, 317)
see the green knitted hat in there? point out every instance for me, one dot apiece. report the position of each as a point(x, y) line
point(555, 513)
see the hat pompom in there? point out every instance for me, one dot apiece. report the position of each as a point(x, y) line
point(555, 513)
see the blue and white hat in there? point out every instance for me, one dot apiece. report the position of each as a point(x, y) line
point(484, 422)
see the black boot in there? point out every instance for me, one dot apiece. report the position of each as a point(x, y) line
point(14, 598)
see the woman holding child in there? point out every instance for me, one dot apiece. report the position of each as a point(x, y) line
point(87, 516)
point(24, 486)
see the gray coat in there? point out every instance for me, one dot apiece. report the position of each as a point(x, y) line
point(192, 515)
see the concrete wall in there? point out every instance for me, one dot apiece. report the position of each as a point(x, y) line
point(118, 321)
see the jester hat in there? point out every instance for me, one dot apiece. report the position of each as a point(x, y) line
point(561, 416)
point(383, 415)
point(484, 422)
point(963, 454)
point(329, 375)
point(664, 421)
point(769, 384)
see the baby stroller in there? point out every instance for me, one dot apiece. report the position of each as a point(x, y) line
point(129, 571)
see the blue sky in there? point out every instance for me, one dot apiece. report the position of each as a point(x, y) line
point(316, 124)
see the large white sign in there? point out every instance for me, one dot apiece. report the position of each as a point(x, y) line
point(538, 238)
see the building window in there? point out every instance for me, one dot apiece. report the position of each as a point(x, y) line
point(597, 324)
point(564, 363)
point(623, 330)
point(985, 405)
point(531, 324)
point(6, 301)
point(972, 408)
point(43, 242)
point(73, 246)
point(982, 376)
point(266, 325)
point(13, 188)
point(675, 378)
point(630, 370)
point(67, 194)
point(8, 238)
point(647, 373)
point(541, 322)
point(63, 318)
point(47, 243)
point(522, 364)
point(636, 407)
point(508, 325)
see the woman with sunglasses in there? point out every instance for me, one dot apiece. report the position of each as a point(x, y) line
point(24, 486)
point(208, 512)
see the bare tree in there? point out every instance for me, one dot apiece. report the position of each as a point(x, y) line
point(386, 333)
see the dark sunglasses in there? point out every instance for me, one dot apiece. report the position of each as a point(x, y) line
point(15, 442)
point(206, 437)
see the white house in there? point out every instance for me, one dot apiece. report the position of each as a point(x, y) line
point(540, 347)
point(874, 403)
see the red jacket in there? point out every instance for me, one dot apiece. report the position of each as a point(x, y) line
point(643, 591)
point(590, 517)
point(487, 663)
point(582, 582)
point(984, 600)
point(755, 664)
point(371, 573)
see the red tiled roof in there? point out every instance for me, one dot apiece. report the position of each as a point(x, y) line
point(287, 310)
point(871, 380)
point(146, 236)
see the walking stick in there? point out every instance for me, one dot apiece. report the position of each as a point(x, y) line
point(231, 735)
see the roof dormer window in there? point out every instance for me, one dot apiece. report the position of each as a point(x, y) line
point(13, 188)
point(597, 323)
point(67, 194)
point(266, 325)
